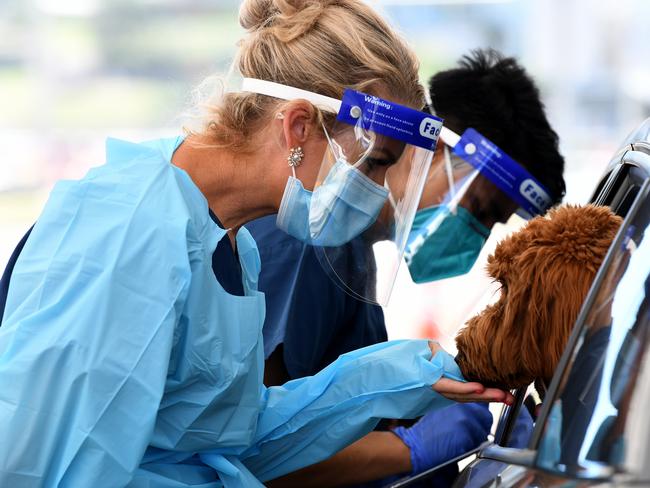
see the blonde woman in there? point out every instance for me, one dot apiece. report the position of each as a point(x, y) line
point(126, 361)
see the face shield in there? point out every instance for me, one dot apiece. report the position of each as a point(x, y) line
point(481, 185)
point(359, 214)
point(389, 146)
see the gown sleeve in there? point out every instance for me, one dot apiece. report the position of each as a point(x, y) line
point(93, 303)
point(309, 419)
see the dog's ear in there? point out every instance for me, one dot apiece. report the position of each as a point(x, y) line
point(500, 263)
point(556, 272)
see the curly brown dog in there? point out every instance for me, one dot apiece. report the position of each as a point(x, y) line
point(545, 271)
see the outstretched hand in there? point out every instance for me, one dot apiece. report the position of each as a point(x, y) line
point(471, 392)
point(459, 391)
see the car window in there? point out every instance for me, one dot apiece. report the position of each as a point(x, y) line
point(598, 421)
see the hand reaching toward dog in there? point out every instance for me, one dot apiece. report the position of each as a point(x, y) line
point(459, 391)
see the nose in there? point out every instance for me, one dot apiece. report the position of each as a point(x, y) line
point(460, 357)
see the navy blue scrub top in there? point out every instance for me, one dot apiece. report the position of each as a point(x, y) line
point(306, 311)
point(225, 265)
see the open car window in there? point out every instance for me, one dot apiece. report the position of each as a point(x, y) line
point(598, 421)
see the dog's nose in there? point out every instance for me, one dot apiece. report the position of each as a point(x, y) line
point(460, 357)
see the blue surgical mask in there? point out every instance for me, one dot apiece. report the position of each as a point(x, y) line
point(340, 209)
point(443, 244)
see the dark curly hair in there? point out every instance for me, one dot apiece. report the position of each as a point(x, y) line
point(494, 95)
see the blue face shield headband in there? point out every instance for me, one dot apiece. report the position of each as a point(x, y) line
point(367, 189)
point(447, 238)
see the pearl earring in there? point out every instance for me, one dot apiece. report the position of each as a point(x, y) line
point(295, 156)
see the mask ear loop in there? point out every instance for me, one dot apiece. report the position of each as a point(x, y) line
point(336, 148)
point(450, 179)
point(456, 195)
point(463, 189)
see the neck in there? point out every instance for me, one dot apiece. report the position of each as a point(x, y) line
point(238, 187)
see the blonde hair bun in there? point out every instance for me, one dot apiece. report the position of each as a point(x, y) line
point(253, 14)
point(286, 19)
point(322, 46)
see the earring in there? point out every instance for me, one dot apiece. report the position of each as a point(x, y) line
point(295, 156)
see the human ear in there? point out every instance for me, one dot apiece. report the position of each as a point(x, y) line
point(298, 121)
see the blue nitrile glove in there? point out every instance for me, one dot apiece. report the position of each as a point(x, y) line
point(523, 429)
point(445, 433)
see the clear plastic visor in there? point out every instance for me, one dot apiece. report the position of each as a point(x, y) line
point(376, 164)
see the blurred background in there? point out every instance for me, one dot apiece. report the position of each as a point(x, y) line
point(74, 71)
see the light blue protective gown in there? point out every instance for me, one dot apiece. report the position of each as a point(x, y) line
point(123, 362)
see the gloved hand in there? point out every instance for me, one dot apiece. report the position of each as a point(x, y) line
point(445, 433)
point(523, 429)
